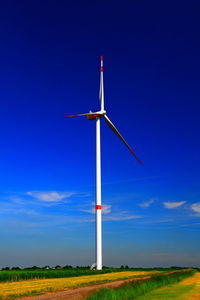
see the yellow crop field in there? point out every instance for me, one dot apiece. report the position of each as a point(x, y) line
point(28, 287)
point(194, 282)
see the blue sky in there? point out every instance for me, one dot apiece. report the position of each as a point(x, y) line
point(50, 55)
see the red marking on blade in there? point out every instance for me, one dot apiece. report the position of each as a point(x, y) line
point(101, 69)
point(101, 57)
point(136, 156)
point(70, 116)
point(98, 207)
point(91, 117)
point(133, 152)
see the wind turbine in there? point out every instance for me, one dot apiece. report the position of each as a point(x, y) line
point(97, 116)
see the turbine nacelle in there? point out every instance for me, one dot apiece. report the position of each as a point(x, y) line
point(94, 115)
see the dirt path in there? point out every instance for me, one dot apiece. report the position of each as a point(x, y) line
point(81, 293)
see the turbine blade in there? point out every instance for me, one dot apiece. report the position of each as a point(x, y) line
point(80, 115)
point(101, 90)
point(111, 125)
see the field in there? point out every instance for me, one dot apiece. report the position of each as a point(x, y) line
point(42, 273)
point(179, 285)
point(148, 284)
point(24, 274)
point(13, 289)
point(188, 289)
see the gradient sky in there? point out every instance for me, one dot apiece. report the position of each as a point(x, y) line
point(50, 55)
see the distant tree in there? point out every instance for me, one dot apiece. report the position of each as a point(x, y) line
point(122, 267)
point(104, 267)
point(58, 267)
point(16, 268)
point(5, 269)
point(126, 267)
point(67, 267)
point(35, 268)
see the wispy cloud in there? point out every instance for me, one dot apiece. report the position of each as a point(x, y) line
point(171, 205)
point(31, 206)
point(156, 221)
point(51, 196)
point(23, 211)
point(196, 207)
point(106, 209)
point(191, 224)
point(14, 210)
point(121, 217)
point(147, 203)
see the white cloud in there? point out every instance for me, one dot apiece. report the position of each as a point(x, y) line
point(120, 217)
point(147, 203)
point(106, 209)
point(23, 211)
point(196, 207)
point(50, 196)
point(191, 224)
point(14, 209)
point(171, 205)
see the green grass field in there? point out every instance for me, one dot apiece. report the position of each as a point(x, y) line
point(187, 289)
point(170, 292)
point(18, 275)
point(131, 291)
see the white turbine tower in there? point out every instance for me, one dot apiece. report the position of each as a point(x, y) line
point(97, 116)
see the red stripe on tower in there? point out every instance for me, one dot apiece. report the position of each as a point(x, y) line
point(101, 68)
point(98, 207)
